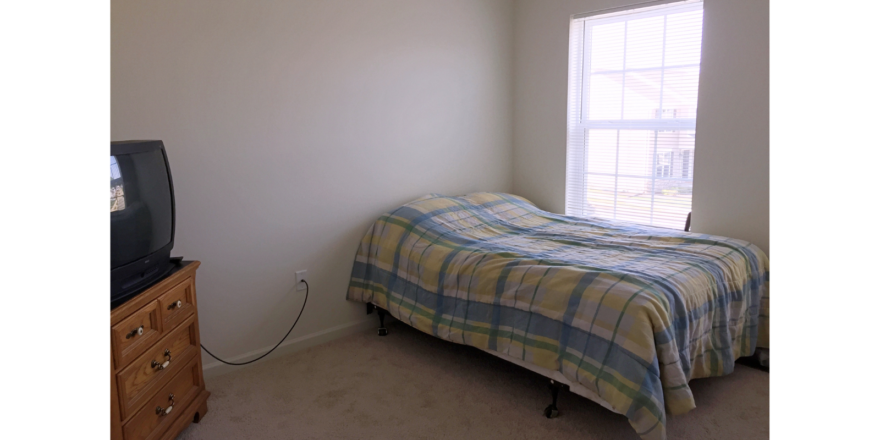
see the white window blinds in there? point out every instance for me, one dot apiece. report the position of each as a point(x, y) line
point(632, 109)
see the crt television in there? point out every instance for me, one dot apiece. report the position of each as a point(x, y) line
point(141, 217)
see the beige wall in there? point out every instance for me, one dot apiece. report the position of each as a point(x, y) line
point(291, 126)
point(731, 161)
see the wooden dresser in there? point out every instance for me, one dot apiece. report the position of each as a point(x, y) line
point(156, 383)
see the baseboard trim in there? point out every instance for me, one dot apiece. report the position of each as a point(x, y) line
point(217, 368)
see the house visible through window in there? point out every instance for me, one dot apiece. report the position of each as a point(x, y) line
point(632, 112)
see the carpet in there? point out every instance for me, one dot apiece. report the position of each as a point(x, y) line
point(411, 385)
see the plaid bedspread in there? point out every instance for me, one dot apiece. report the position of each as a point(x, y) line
point(630, 312)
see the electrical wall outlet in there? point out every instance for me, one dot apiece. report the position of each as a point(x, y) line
point(301, 276)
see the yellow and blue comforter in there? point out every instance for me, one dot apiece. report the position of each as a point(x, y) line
point(630, 312)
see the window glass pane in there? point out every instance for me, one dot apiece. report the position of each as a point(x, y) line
point(641, 94)
point(671, 210)
point(606, 47)
point(636, 153)
point(634, 199)
point(680, 92)
point(644, 43)
point(602, 151)
point(684, 33)
point(605, 96)
point(673, 184)
point(600, 196)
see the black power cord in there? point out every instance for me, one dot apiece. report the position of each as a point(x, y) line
point(276, 345)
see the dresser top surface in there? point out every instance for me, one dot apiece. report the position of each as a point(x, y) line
point(178, 273)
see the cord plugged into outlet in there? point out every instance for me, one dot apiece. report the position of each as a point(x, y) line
point(301, 284)
point(300, 277)
point(305, 301)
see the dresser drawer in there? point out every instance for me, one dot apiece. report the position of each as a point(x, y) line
point(177, 304)
point(135, 334)
point(139, 381)
point(167, 405)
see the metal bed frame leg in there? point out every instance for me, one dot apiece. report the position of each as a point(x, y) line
point(551, 411)
point(382, 330)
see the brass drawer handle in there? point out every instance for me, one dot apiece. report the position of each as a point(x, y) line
point(174, 305)
point(165, 411)
point(136, 332)
point(163, 365)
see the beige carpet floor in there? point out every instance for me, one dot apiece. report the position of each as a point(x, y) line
point(410, 385)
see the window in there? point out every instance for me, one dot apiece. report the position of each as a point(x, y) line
point(632, 98)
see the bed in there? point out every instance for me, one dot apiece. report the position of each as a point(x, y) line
point(624, 314)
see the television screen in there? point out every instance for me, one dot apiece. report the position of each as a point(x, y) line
point(141, 217)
